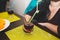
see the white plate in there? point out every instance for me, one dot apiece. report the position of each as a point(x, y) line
point(7, 23)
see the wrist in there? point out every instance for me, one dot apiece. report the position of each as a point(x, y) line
point(45, 24)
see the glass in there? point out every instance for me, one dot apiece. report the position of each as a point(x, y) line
point(28, 28)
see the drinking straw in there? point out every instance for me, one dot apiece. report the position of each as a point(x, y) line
point(37, 11)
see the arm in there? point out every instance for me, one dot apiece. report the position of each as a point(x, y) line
point(28, 15)
point(50, 26)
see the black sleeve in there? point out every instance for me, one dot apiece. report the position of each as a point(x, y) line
point(58, 29)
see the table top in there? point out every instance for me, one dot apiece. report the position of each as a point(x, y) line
point(15, 24)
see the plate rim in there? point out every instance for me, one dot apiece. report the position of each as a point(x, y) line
point(7, 23)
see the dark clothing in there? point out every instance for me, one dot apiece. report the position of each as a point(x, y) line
point(43, 11)
point(42, 15)
point(3, 5)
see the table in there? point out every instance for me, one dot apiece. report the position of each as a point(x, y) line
point(16, 24)
point(12, 25)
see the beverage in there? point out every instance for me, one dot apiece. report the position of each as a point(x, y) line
point(28, 28)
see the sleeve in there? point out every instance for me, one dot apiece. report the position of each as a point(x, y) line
point(58, 29)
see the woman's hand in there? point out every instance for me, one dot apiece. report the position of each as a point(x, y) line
point(27, 17)
point(50, 26)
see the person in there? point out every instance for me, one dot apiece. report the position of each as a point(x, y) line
point(48, 16)
point(3, 5)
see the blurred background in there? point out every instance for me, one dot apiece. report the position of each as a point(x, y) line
point(20, 6)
